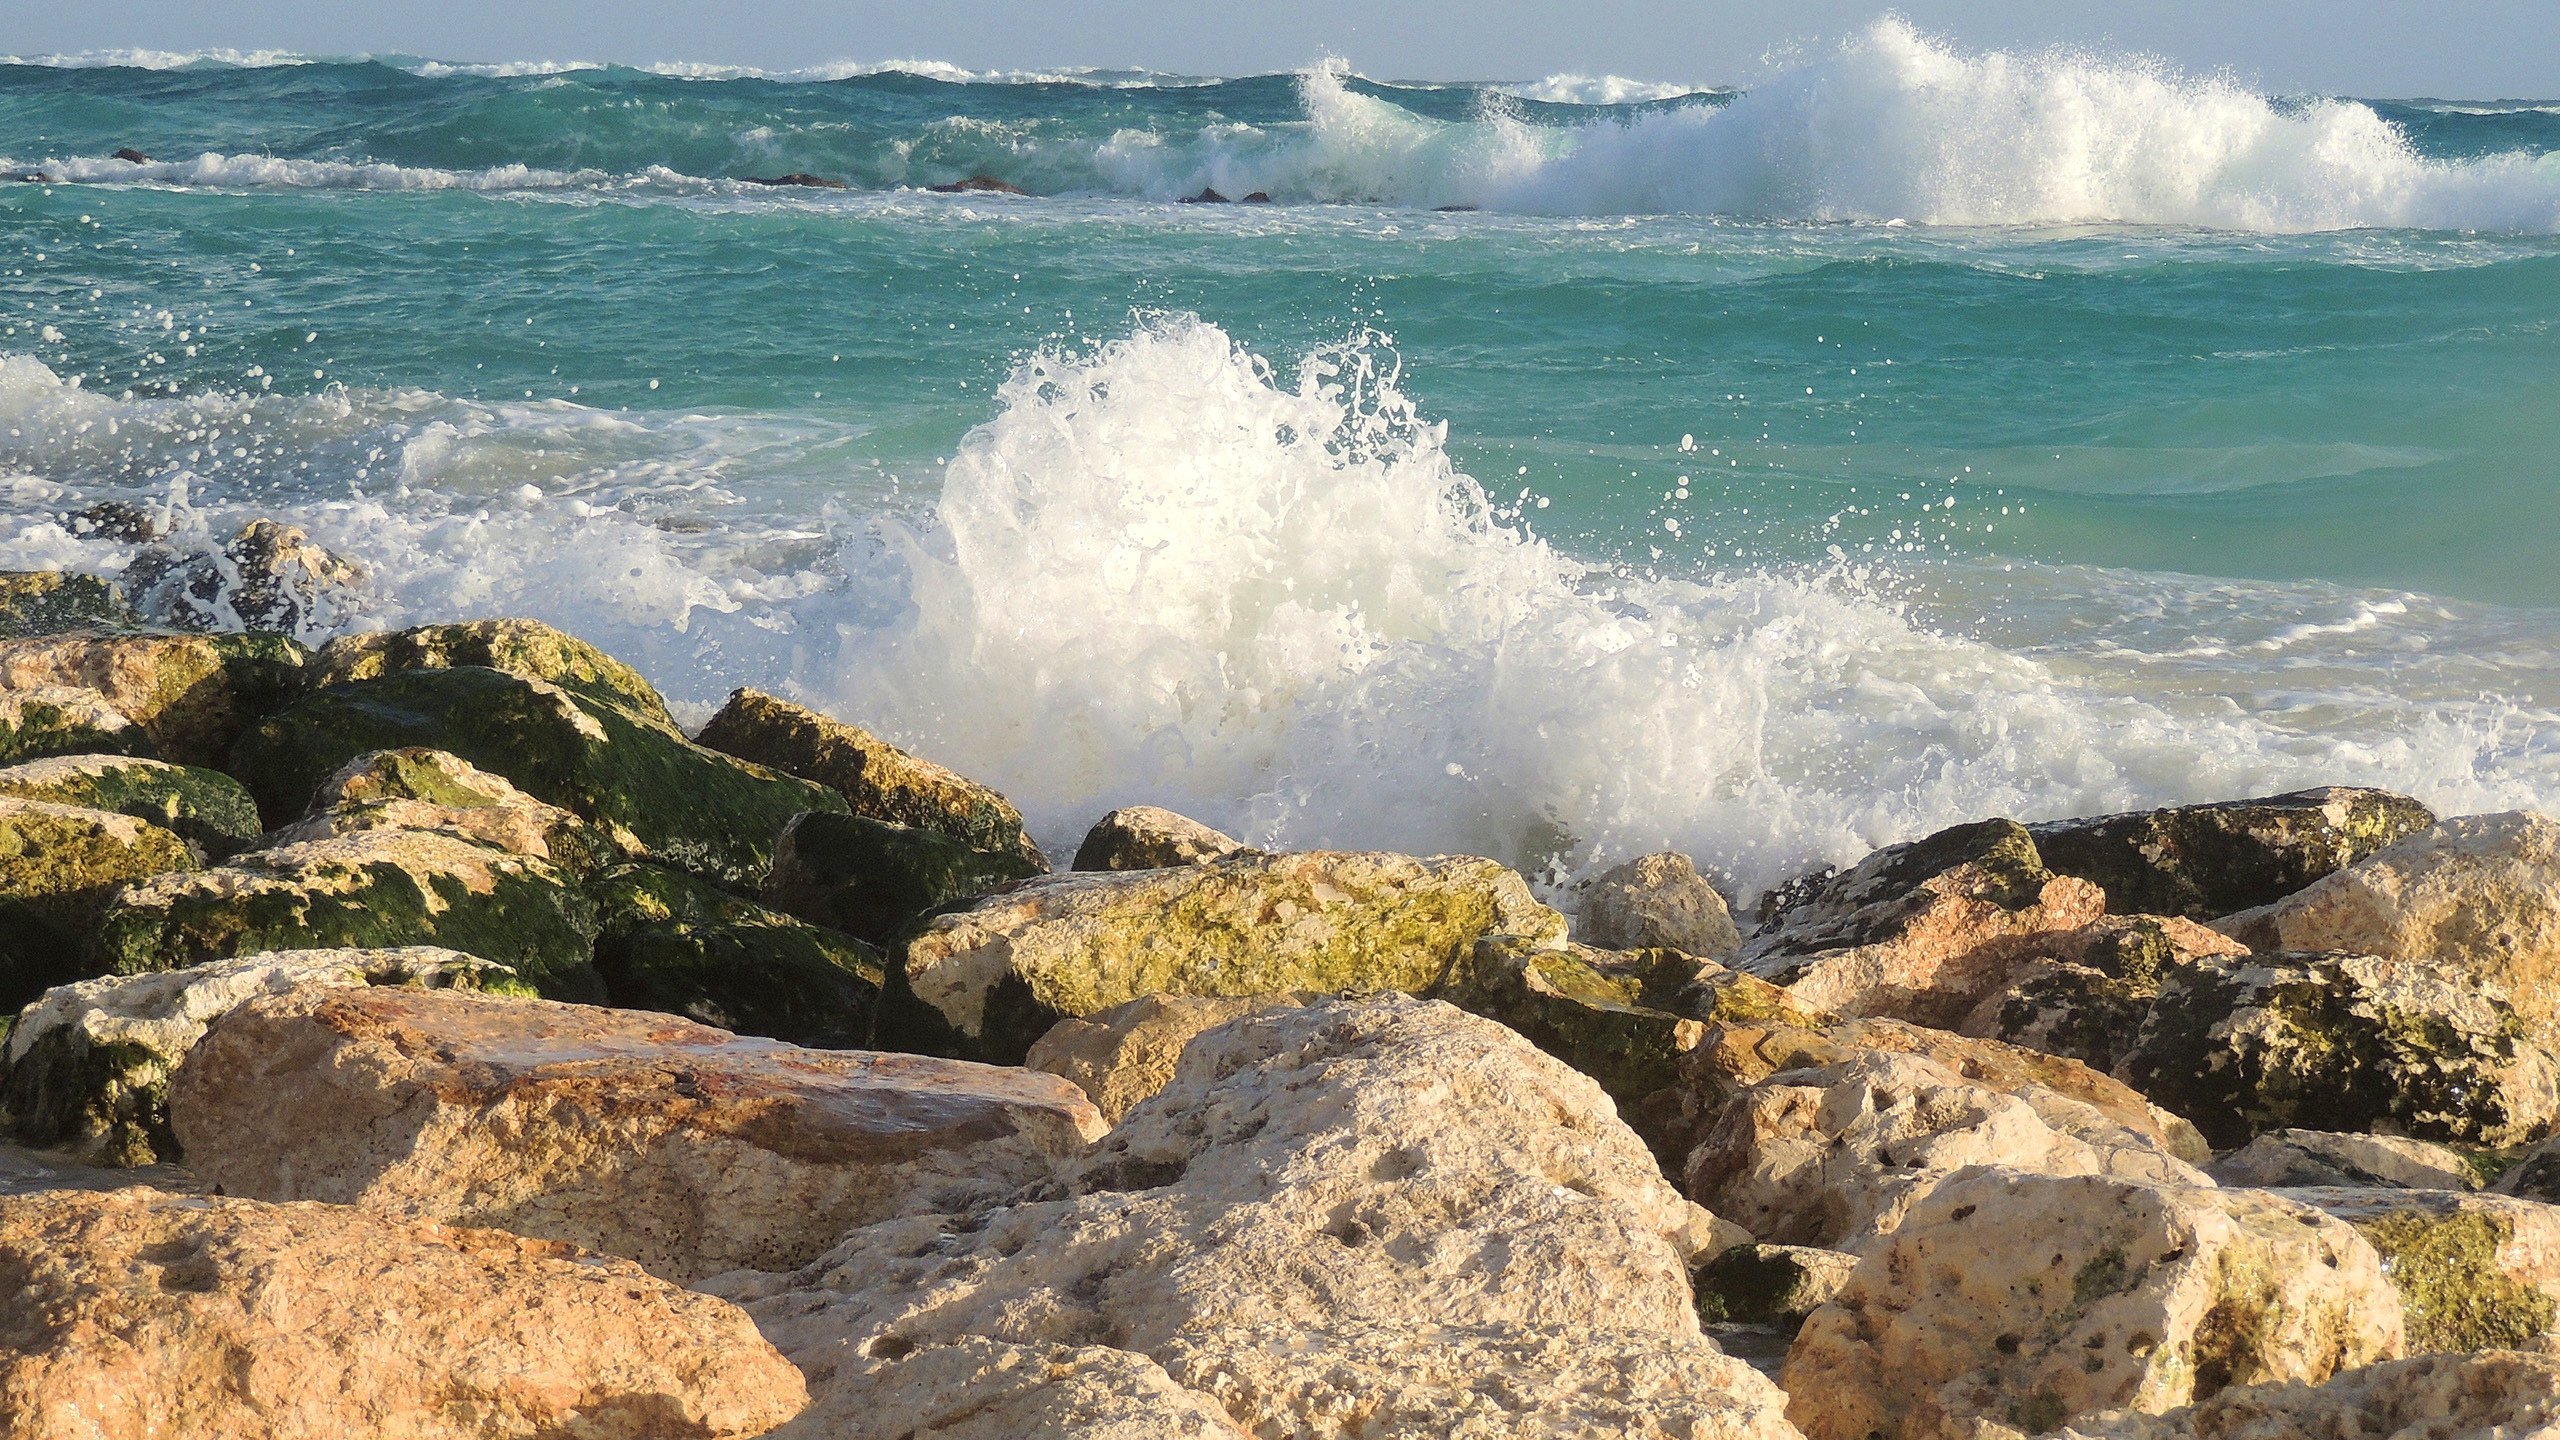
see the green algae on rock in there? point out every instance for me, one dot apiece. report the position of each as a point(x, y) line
point(206, 808)
point(2497, 1395)
point(59, 865)
point(2474, 1272)
point(872, 879)
point(669, 942)
point(41, 721)
point(527, 648)
point(2084, 993)
point(986, 981)
point(876, 778)
point(656, 795)
point(190, 693)
point(2205, 861)
point(1769, 1284)
point(422, 789)
point(49, 602)
point(368, 890)
point(87, 1066)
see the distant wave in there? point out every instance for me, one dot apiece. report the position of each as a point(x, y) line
point(1602, 90)
point(268, 171)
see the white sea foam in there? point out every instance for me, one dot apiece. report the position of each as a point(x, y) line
point(1569, 89)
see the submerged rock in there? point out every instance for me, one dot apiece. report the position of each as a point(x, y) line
point(526, 648)
point(266, 577)
point(2474, 1272)
point(87, 1065)
point(2498, 1396)
point(688, 1149)
point(989, 980)
point(136, 1313)
point(656, 796)
point(872, 879)
point(876, 779)
point(978, 184)
point(2295, 1158)
point(373, 889)
point(1657, 901)
point(799, 178)
point(1122, 1056)
point(1144, 837)
point(666, 941)
point(420, 789)
point(190, 693)
point(49, 602)
point(59, 866)
point(2203, 861)
point(2032, 1299)
point(42, 721)
point(206, 808)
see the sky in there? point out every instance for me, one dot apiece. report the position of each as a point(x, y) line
point(2475, 49)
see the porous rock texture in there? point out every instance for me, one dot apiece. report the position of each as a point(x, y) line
point(685, 1148)
point(1124, 1055)
point(1657, 900)
point(2321, 1157)
point(1147, 837)
point(973, 1389)
point(2203, 861)
point(2085, 993)
point(190, 693)
point(135, 1313)
point(1922, 931)
point(59, 866)
point(86, 1067)
point(988, 980)
point(37, 721)
point(1837, 1155)
point(206, 808)
point(2501, 1395)
point(2027, 1300)
point(420, 789)
point(527, 648)
point(2474, 1272)
point(1374, 1218)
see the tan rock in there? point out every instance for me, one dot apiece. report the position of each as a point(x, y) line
point(60, 865)
point(2501, 1395)
point(2028, 1300)
point(2282, 1158)
point(1837, 1155)
point(1145, 837)
point(1657, 900)
point(43, 721)
point(2474, 1272)
point(686, 1148)
point(527, 648)
point(972, 1389)
point(1357, 1220)
point(189, 693)
point(2479, 895)
point(2085, 993)
point(137, 1313)
point(422, 789)
point(1124, 1055)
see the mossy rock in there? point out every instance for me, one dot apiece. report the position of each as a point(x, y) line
point(1777, 1285)
point(656, 795)
point(2467, 1280)
point(43, 721)
point(2092, 1009)
point(876, 778)
point(49, 602)
point(206, 808)
point(519, 647)
point(1858, 906)
point(59, 864)
point(371, 890)
point(670, 942)
point(190, 693)
point(2205, 861)
point(422, 789)
point(872, 879)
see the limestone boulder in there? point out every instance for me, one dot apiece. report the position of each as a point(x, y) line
point(666, 941)
point(1657, 901)
point(688, 1149)
point(59, 867)
point(1124, 1055)
point(422, 789)
point(2204, 861)
point(2477, 896)
point(525, 648)
point(2085, 993)
point(1376, 1218)
point(2028, 1300)
point(1775, 1285)
point(1923, 931)
point(2282, 1158)
point(267, 576)
point(86, 1067)
point(372, 889)
point(37, 721)
point(972, 1389)
point(137, 1313)
point(1837, 1155)
point(872, 879)
point(1146, 837)
point(876, 779)
point(206, 808)
point(2474, 1272)
point(988, 980)
point(49, 602)
point(2501, 1395)
point(190, 693)
point(655, 795)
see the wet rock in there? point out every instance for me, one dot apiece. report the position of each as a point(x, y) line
point(688, 1149)
point(138, 1313)
point(2342, 1042)
point(2497, 1396)
point(1657, 900)
point(1923, 931)
point(373, 889)
point(415, 788)
point(206, 808)
point(1382, 1218)
point(876, 779)
point(655, 795)
point(1144, 837)
point(1257, 197)
point(1777, 1285)
point(59, 866)
point(1836, 1155)
point(989, 980)
point(266, 577)
point(119, 520)
point(2203, 861)
point(800, 178)
point(1207, 196)
point(2535, 1175)
point(2296, 1158)
point(978, 184)
point(872, 879)
point(131, 156)
point(2030, 1299)
point(87, 1065)
point(669, 942)
point(42, 721)
point(49, 602)
point(2476, 896)
point(2085, 993)
point(1124, 1055)
point(2474, 1272)
point(190, 693)
point(527, 648)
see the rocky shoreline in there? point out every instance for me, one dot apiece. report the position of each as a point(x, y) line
point(427, 1036)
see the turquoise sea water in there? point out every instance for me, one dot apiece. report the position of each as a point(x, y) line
point(1911, 436)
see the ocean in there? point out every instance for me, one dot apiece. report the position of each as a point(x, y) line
point(1910, 436)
